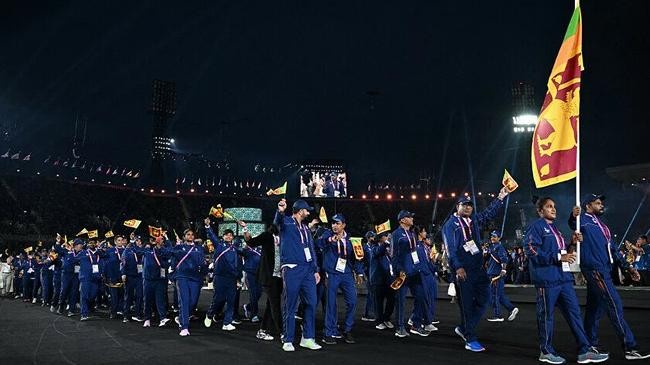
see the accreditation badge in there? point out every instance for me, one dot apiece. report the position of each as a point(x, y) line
point(340, 265)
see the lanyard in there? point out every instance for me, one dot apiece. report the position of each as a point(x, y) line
point(467, 230)
point(184, 257)
point(91, 257)
point(117, 252)
point(302, 230)
point(136, 257)
point(276, 240)
point(606, 232)
point(345, 246)
point(558, 236)
point(603, 228)
point(413, 243)
point(156, 257)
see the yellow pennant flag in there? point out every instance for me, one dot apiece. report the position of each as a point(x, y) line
point(384, 227)
point(109, 234)
point(83, 231)
point(322, 215)
point(278, 191)
point(357, 245)
point(93, 234)
point(509, 182)
point(132, 223)
point(217, 211)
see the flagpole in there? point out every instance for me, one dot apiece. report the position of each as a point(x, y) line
point(577, 4)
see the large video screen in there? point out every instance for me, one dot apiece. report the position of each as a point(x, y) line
point(323, 183)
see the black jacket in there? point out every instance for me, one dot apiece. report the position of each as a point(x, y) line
point(267, 262)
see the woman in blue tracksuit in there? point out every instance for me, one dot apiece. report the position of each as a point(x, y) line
point(227, 269)
point(549, 261)
point(189, 271)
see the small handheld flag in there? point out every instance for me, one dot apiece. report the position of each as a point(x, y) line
point(384, 227)
point(509, 182)
point(132, 223)
point(322, 215)
point(357, 246)
point(278, 191)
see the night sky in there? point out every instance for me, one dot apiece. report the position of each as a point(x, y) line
point(290, 80)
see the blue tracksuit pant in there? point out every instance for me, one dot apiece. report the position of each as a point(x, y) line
point(564, 297)
point(347, 285)
point(299, 282)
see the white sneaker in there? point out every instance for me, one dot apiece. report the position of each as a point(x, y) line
point(147, 324)
point(163, 322)
point(184, 333)
point(177, 320)
point(430, 328)
point(34, 301)
point(410, 322)
point(389, 324)
point(513, 315)
point(207, 322)
point(228, 327)
point(288, 347)
point(310, 343)
point(261, 335)
point(381, 326)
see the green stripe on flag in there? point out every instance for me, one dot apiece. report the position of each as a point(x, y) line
point(573, 24)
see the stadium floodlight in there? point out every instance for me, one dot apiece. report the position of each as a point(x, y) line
point(439, 196)
point(172, 140)
point(524, 123)
point(389, 197)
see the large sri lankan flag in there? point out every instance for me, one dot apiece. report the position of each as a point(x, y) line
point(555, 141)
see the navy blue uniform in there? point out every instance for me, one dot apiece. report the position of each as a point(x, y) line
point(112, 263)
point(598, 254)
point(69, 279)
point(227, 270)
point(406, 259)
point(460, 236)
point(496, 263)
point(155, 280)
point(252, 258)
point(298, 260)
point(339, 263)
point(90, 277)
point(189, 271)
point(380, 278)
point(543, 246)
point(132, 268)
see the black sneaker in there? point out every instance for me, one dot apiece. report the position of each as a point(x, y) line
point(236, 321)
point(636, 355)
point(328, 340)
point(347, 337)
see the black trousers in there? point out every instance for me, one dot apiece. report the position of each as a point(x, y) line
point(272, 318)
